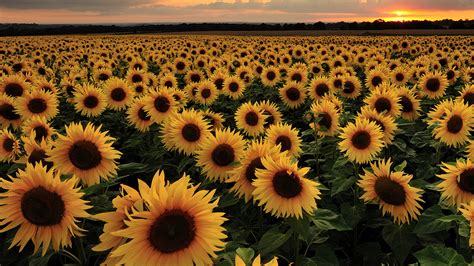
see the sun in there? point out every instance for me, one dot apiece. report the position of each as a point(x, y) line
point(401, 13)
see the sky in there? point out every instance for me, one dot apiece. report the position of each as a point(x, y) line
point(163, 11)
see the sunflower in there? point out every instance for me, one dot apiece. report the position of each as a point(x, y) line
point(318, 88)
point(234, 87)
point(386, 123)
point(160, 105)
point(272, 113)
point(168, 81)
point(179, 226)
point(256, 262)
point(188, 130)
point(214, 119)
point(85, 152)
point(338, 104)
point(433, 85)
point(293, 94)
point(250, 119)
point(391, 191)
point(467, 95)
point(453, 129)
point(9, 148)
point(400, 75)
point(137, 116)
point(37, 103)
point(137, 76)
point(410, 105)
point(39, 127)
point(8, 114)
point(336, 83)
point(470, 150)
point(102, 75)
point(286, 137)
point(283, 190)
point(44, 207)
point(244, 174)
point(218, 79)
point(36, 152)
point(89, 100)
point(467, 211)
point(45, 85)
point(14, 86)
point(457, 182)
point(118, 93)
point(270, 76)
point(385, 100)
point(362, 140)
point(297, 75)
point(123, 204)
point(180, 97)
point(190, 91)
point(219, 153)
point(351, 87)
point(325, 118)
point(140, 89)
point(375, 78)
point(439, 111)
point(207, 93)
point(194, 76)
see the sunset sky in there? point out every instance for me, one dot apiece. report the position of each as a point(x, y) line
point(151, 11)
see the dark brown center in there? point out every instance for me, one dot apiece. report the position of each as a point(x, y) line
point(433, 84)
point(85, 155)
point(172, 231)
point(137, 78)
point(285, 142)
point(390, 191)
point(466, 180)
point(251, 118)
point(469, 98)
point(297, 77)
point(42, 207)
point(233, 86)
point(40, 133)
point(191, 132)
point(383, 105)
point(293, 94)
point(271, 75)
point(195, 78)
point(206, 93)
point(91, 102)
point(326, 121)
point(118, 94)
point(223, 154)
point(13, 89)
point(143, 115)
point(349, 87)
point(162, 104)
point(8, 145)
point(399, 77)
point(407, 105)
point(322, 89)
point(37, 105)
point(250, 170)
point(286, 185)
point(376, 81)
point(7, 112)
point(361, 139)
point(455, 124)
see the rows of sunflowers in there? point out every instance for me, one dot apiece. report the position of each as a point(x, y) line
point(178, 150)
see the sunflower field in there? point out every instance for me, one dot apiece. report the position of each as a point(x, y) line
point(220, 150)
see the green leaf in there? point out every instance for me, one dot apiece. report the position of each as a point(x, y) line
point(328, 220)
point(431, 221)
point(246, 254)
point(38, 260)
point(272, 240)
point(400, 167)
point(325, 256)
point(341, 184)
point(439, 255)
point(400, 239)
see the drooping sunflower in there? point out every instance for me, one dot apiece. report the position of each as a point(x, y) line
point(467, 210)
point(9, 146)
point(293, 94)
point(179, 226)
point(214, 119)
point(85, 152)
point(283, 190)
point(439, 111)
point(385, 100)
point(44, 207)
point(410, 104)
point(457, 184)
point(118, 93)
point(386, 123)
point(39, 127)
point(137, 116)
point(37, 103)
point(319, 87)
point(454, 127)
point(361, 141)
point(391, 191)
point(89, 100)
point(8, 114)
point(14, 86)
point(433, 85)
point(160, 105)
point(270, 76)
point(250, 119)
point(207, 93)
point(218, 154)
point(188, 131)
point(244, 174)
point(234, 87)
point(327, 118)
point(286, 137)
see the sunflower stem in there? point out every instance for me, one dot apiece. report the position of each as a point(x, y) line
point(80, 250)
